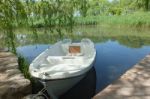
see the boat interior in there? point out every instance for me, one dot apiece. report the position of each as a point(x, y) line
point(68, 56)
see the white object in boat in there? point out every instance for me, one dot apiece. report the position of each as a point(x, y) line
point(63, 65)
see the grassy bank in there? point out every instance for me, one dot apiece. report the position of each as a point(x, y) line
point(23, 66)
point(135, 19)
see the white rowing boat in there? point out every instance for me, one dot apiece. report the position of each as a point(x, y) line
point(63, 65)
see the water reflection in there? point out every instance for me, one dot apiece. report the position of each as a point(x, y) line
point(131, 37)
point(31, 51)
point(112, 60)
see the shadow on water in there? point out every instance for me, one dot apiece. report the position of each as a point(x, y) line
point(85, 89)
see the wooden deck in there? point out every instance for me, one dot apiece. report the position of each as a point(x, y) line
point(13, 85)
point(134, 84)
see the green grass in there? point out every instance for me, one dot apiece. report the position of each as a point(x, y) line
point(24, 67)
point(135, 19)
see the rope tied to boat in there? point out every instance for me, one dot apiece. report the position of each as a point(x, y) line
point(40, 93)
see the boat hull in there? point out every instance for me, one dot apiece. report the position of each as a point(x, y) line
point(55, 88)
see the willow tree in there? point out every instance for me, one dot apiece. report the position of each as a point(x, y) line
point(12, 12)
point(53, 13)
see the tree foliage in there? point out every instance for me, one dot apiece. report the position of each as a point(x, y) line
point(48, 13)
point(117, 7)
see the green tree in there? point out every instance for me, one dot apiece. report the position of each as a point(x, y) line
point(46, 13)
point(12, 13)
point(147, 5)
point(143, 4)
point(98, 7)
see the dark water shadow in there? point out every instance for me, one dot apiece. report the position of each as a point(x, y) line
point(85, 89)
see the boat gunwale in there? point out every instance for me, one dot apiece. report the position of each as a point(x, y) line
point(45, 80)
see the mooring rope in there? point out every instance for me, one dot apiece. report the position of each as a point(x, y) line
point(41, 93)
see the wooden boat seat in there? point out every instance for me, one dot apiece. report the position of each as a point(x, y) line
point(74, 49)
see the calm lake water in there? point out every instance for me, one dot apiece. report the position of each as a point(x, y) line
point(118, 49)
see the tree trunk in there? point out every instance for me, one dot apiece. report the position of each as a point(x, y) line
point(146, 5)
